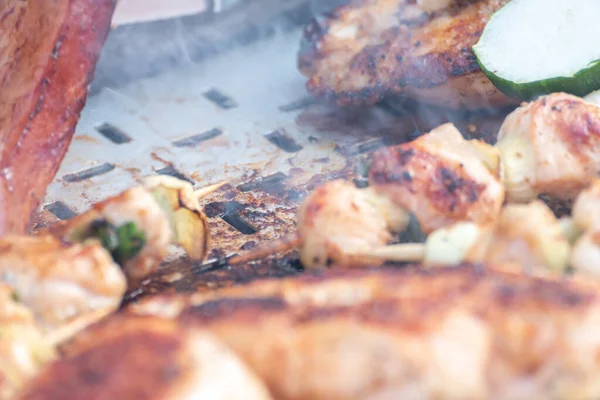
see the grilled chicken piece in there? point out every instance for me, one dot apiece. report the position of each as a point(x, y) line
point(23, 348)
point(49, 50)
point(549, 146)
point(338, 219)
point(586, 209)
point(441, 178)
point(371, 49)
point(146, 358)
point(59, 282)
point(527, 238)
point(140, 224)
point(585, 257)
point(408, 334)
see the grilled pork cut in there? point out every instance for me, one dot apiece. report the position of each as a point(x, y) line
point(48, 51)
point(371, 49)
point(147, 358)
point(442, 333)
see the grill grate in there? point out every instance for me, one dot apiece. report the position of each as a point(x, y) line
point(242, 116)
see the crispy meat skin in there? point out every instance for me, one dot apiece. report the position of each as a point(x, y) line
point(439, 178)
point(49, 49)
point(147, 358)
point(557, 149)
point(463, 332)
point(370, 49)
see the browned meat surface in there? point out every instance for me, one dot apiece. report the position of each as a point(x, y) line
point(370, 49)
point(462, 332)
point(147, 358)
point(550, 146)
point(441, 178)
point(48, 50)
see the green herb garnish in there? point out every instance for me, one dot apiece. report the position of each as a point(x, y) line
point(123, 242)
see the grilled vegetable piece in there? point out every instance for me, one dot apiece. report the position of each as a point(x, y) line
point(23, 348)
point(525, 60)
point(465, 332)
point(61, 282)
point(441, 178)
point(189, 224)
point(49, 52)
point(549, 146)
point(133, 357)
point(368, 50)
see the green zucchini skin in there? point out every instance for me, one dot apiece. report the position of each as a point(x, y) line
point(585, 81)
point(582, 83)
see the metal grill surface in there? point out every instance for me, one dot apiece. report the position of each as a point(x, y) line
point(242, 116)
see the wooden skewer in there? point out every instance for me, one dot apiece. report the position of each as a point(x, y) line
point(276, 246)
point(69, 330)
point(205, 191)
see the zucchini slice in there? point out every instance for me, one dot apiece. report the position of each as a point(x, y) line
point(531, 48)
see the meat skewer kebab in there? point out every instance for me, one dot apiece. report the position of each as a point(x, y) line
point(140, 224)
point(53, 287)
point(526, 236)
point(75, 277)
point(513, 160)
point(465, 186)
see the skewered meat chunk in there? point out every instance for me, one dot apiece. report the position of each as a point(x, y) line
point(527, 236)
point(465, 332)
point(550, 146)
point(140, 224)
point(23, 348)
point(585, 257)
point(61, 282)
point(441, 178)
point(586, 209)
point(371, 49)
point(337, 219)
point(49, 50)
point(146, 358)
point(135, 206)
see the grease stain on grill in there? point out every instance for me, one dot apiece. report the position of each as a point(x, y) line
point(60, 210)
point(89, 173)
point(298, 104)
point(220, 99)
point(283, 141)
point(171, 171)
point(268, 183)
point(114, 134)
point(195, 139)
